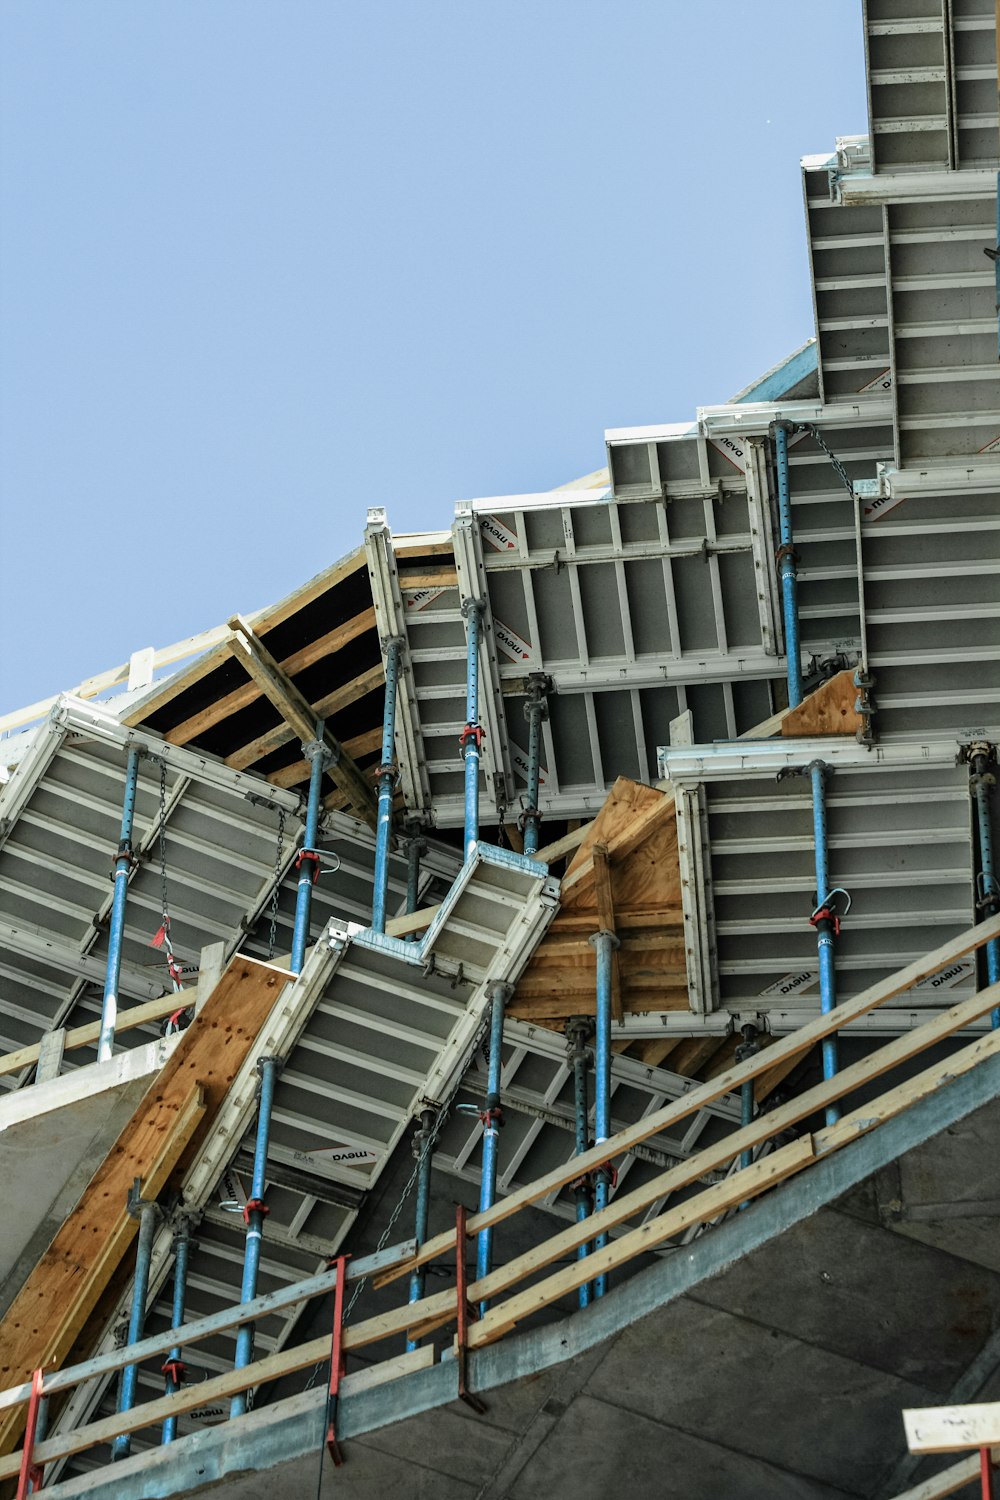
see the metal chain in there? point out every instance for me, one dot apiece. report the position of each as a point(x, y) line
point(279, 854)
point(426, 1148)
point(821, 442)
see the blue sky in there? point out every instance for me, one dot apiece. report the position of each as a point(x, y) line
point(263, 265)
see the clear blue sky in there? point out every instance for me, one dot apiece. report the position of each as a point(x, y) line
point(266, 264)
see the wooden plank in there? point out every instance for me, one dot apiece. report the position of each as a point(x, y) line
point(559, 848)
point(249, 692)
point(361, 744)
point(952, 1429)
point(426, 544)
point(653, 1051)
point(692, 1055)
point(624, 803)
point(620, 845)
point(177, 685)
point(730, 1081)
point(768, 1082)
point(52, 1308)
point(828, 710)
point(705, 1206)
point(386, 1370)
point(949, 1482)
point(414, 921)
point(85, 1036)
point(340, 698)
point(441, 577)
point(606, 920)
point(299, 716)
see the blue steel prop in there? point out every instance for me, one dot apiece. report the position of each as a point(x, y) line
point(826, 920)
point(982, 762)
point(173, 1365)
point(148, 1215)
point(254, 1214)
point(471, 739)
point(423, 1149)
point(536, 711)
point(492, 1118)
point(386, 785)
point(578, 1032)
point(116, 928)
point(605, 944)
point(319, 755)
point(786, 564)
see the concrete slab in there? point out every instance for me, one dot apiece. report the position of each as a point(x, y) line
point(53, 1137)
point(834, 1281)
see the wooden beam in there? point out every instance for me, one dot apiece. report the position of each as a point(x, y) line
point(249, 692)
point(654, 1050)
point(442, 577)
point(87, 1035)
point(198, 670)
point(559, 848)
point(692, 1054)
point(414, 921)
point(827, 710)
point(300, 716)
point(53, 1306)
point(952, 1429)
point(340, 698)
point(361, 744)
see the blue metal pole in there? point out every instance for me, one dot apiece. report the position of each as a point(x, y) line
point(578, 1030)
point(535, 711)
point(148, 1213)
point(424, 1149)
point(826, 925)
point(988, 896)
point(116, 929)
point(386, 783)
point(786, 562)
point(254, 1214)
point(319, 756)
point(173, 1367)
point(492, 1120)
point(605, 944)
point(471, 737)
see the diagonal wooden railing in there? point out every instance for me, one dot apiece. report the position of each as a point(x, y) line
point(420, 1318)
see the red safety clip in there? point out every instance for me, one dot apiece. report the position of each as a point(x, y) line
point(826, 914)
point(309, 856)
point(250, 1205)
point(471, 732)
point(174, 1370)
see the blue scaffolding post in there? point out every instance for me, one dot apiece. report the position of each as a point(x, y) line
point(319, 755)
point(173, 1366)
point(148, 1215)
point(387, 775)
point(826, 918)
point(471, 739)
point(492, 1118)
point(254, 1214)
point(579, 1030)
point(786, 559)
point(124, 862)
point(604, 944)
point(982, 779)
point(423, 1150)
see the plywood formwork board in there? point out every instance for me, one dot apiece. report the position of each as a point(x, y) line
point(828, 710)
point(52, 1308)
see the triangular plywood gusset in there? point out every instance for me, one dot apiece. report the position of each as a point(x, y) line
point(624, 877)
point(829, 710)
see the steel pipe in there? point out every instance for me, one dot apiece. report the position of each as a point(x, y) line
point(826, 923)
point(471, 737)
point(386, 785)
point(492, 1117)
point(578, 1030)
point(982, 781)
point(786, 563)
point(319, 756)
point(148, 1215)
point(116, 928)
point(423, 1146)
point(604, 944)
point(535, 711)
point(173, 1365)
point(254, 1214)
point(747, 1048)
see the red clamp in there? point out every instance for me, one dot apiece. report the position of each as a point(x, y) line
point(471, 732)
point(826, 914)
point(175, 1371)
point(487, 1116)
point(250, 1205)
point(309, 856)
point(589, 1179)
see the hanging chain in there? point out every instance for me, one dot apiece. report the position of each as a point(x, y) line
point(821, 442)
point(278, 857)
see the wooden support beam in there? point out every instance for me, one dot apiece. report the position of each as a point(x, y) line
point(53, 1306)
point(86, 1036)
point(827, 710)
point(654, 1051)
point(692, 1055)
point(300, 716)
point(951, 1429)
point(340, 698)
point(298, 771)
point(414, 921)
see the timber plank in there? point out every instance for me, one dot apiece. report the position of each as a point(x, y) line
point(342, 697)
point(52, 1308)
point(828, 710)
